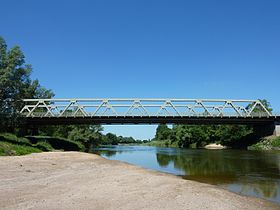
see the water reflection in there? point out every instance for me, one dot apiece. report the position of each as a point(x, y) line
point(246, 172)
point(251, 173)
point(107, 153)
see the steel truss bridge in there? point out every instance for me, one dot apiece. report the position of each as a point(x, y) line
point(136, 110)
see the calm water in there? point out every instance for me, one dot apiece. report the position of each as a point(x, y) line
point(246, 172)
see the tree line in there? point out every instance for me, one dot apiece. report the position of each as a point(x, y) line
point(90, 136)
point(197, 136)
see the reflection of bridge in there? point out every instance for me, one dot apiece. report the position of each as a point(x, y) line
point(123, 111)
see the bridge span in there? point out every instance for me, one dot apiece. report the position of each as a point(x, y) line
point(147, 111)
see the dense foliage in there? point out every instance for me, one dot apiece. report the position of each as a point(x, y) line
point(89, 135)
point(200, 135)
point(15, 84)
point(112, 139)
point(272, 143)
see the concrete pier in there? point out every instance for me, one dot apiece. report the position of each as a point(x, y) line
point(277, 129)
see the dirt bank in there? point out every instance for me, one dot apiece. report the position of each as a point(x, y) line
point(73, 180)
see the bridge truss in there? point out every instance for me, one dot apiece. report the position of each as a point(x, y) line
point(94, 108)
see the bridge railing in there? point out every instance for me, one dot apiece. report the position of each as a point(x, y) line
point(143, 108)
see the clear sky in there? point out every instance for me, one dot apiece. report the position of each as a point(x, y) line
point(149, 48)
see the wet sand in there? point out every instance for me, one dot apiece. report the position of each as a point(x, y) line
point(74, 180)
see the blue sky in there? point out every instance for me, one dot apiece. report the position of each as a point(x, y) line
point(149, 48)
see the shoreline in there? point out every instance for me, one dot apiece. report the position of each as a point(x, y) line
point(75, 180)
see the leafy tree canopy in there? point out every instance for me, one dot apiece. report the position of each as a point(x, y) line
point(259, 108)
point(16, 84)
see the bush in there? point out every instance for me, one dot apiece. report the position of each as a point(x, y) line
point(11, 138)
point(272, 143)
point(44, 146)
point(276, 142)
point(13, 145)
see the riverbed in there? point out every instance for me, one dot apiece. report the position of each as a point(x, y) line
point(75, 180)
point(252, 173)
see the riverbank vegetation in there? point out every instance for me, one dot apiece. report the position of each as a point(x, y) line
point(198, 136)
point(77, 139)
point(90, 136)
point(269, 143)
point(10, 144)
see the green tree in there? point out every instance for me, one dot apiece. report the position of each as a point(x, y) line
point(89, 135)
point(163, 132)
point(233, 135)
point(15, 84)
point(258, 108)
point(111, 138)
point(126, 140)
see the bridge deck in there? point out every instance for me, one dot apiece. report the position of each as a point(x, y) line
point(150, 120)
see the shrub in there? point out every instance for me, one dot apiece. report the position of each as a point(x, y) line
point(276, 142)
point(11, 138)
point(267, 144)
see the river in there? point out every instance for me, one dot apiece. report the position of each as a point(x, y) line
point(252, 173)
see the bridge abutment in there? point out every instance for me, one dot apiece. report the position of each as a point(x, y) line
point(34, 130)
point(276, 129)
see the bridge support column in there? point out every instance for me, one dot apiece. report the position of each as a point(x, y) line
point(277, 129)
point(34, 130)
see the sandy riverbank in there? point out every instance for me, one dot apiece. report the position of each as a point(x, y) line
point(73, 180)
point(215, 146)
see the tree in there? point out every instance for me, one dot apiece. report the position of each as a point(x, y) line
point(183, 135)
point(89, 135)
point(258, 108)
point(15, 84)
point(111, 138)
point(126, 140)
point(163, 132)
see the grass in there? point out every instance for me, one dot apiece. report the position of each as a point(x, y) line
point(44, 146)
point(7, 148)
point(9, 137)
point(163, 143)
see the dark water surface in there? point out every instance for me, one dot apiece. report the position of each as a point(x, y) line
point(251, 173)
